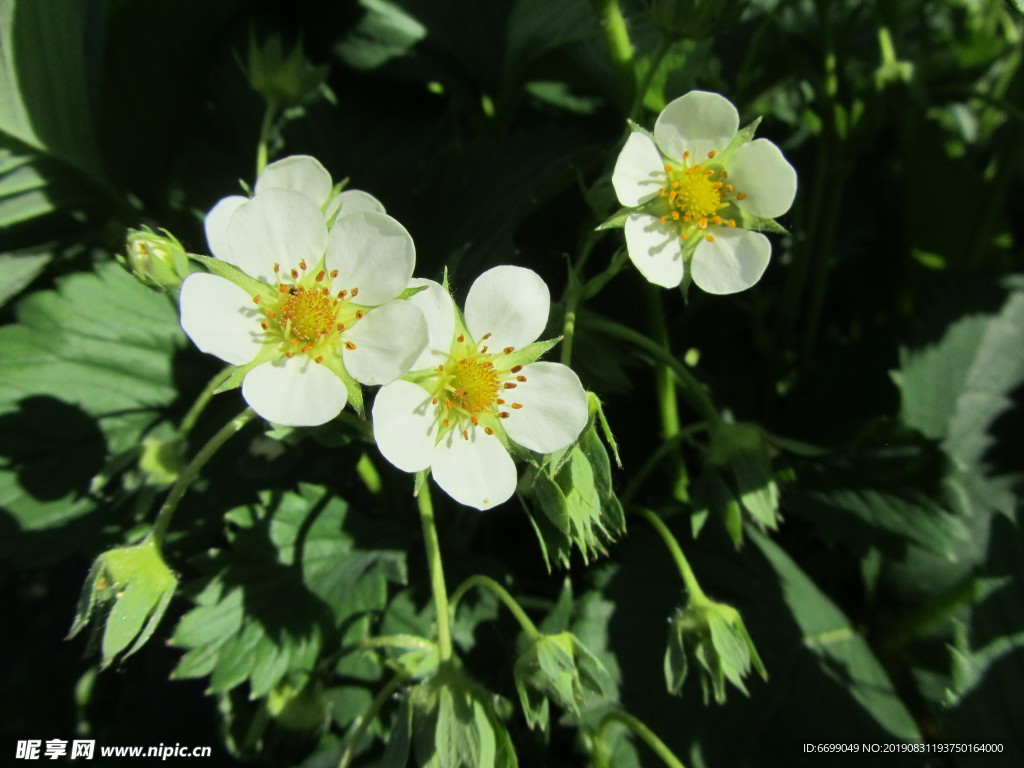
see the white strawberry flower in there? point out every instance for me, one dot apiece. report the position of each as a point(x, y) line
point(305, 312)
point(299, 173)
point(697, 188)
point(476, 391)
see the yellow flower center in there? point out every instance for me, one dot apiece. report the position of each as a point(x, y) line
point(307, 315)
point(475, 385)
point(310, 315)
point(470, 389)
point(694, 196)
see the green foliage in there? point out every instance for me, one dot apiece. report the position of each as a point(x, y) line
point(292, 583)
point(558, 668)
point(84, 373)
point(854, 420)
point(128, 589)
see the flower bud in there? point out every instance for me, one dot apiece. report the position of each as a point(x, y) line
point(695, 19)
point(158, 261)
point(714, 636)
point(560, 668)
point(127, 591)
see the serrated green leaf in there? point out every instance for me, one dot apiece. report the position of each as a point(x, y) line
point(83, 373)
point(291, 580)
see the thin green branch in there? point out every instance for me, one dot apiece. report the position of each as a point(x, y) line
point(437, 585)
point(641, 730)
point(363, 723)
point(692, 390)
point(689, 578)
point(188, 475)
point(201, 402)
point(510, 602)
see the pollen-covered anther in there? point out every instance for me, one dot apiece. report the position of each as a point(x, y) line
point(509, 350)
point(710, 238)
point(302, 264)
point(731, 223)
point(488, 431)
point(741, 196)
point(516, 368)
point(517, 406)
point(711, 154)
point(265, 325)
point(499, 401)
point(486, 336)
point(703, 223)
point(465, 434)
point(461, 338)
point(509, 385)
point(360, 314)
point(256, 299)
point(503, 414)
point(283, 288)
point(277, 267)
point(349, 345)
point(320, 276)
point(334, 273)
point(355, 292)
point(295, 274)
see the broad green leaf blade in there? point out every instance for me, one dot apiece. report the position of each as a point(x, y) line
point(45, 74)
point(83, 373)
point(837, 646)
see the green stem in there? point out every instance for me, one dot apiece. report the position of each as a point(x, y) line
point(693, 391)
point(641, 92)
point(262, 147)
point(486, 582)
point(204, 397)
point(433, 547)
point(574, 294)
point(689, 579)
point(620, 49)
point(666, 391)
point(668, 446)
point(378, 703)
point(641, 730)
point(188, 475)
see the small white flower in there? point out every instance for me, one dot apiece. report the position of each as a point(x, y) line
point(480, 390)
point(698, 189)
point(299, 173)
point(313, 312)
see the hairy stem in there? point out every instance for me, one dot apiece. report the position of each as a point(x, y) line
point(689, 579)
point(486, 582)
point(437, 586)
point(188, 475)
point(641, 730)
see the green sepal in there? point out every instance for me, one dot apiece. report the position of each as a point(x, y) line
point(637, 128)
point(528, 354)
point(128, 590)
point(597, 410)
point(617, 220)
point(743, 136)
point(763, 224)
point(230, 272)
point(268, 353)
point(334, 363)
point(408, 293)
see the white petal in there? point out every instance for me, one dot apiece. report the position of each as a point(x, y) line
point(477, 472)
point(654, 248)
point(220, 318)
point(278, 226)
point(733, 262)
point(352, 200)
point(216, 226)
point(697, 121)
point(439, 313)
point(299, 173)
point(372, 252)
point(759, 170)
point(554, 408)
point(294, 392)
point(639, 172)
point(510, 303)
point(404, 425)
point(388, 340)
